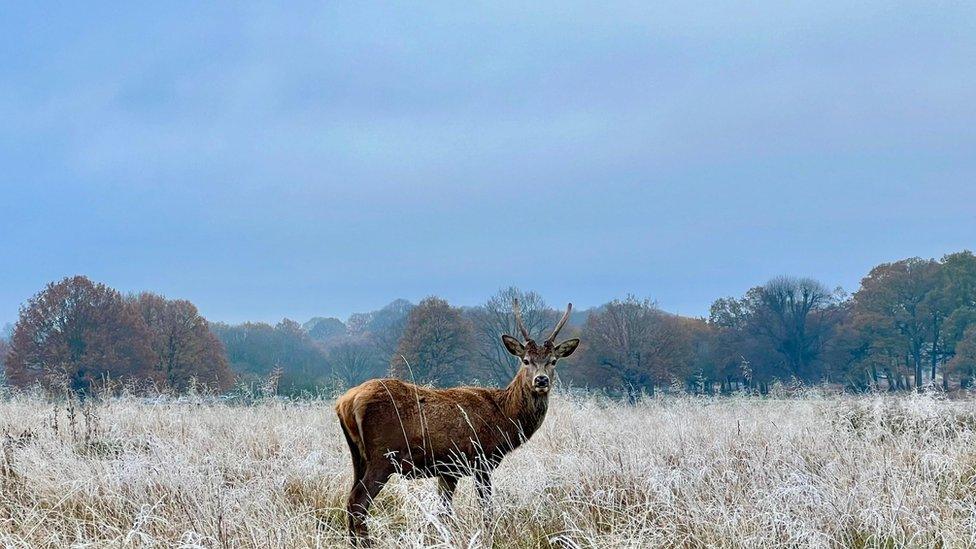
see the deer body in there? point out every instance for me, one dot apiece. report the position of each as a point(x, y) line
point(426, 432)
point(392, 426)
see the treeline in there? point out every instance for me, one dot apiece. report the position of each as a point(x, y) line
point(321, 353)
point(911, 323)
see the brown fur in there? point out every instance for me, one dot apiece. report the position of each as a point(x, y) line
point(392, 426)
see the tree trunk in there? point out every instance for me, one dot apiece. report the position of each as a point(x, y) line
point(935, 345)
point(917, 362)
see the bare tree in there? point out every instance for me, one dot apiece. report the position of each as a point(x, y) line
point(495, 317)
point(354, 360)
point(793, 314)
point(382, 328)
point(635, 344)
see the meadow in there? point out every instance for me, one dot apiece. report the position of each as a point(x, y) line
point(813, 470)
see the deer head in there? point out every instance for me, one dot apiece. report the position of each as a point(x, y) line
point(539, 361)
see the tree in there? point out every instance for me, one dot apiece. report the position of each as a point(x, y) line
point(257, 349)
point(354, 360)
point(495, 318)
point(704, 363)
point(4, 349)
point(249, 348)
point(77, 333)
point(632, 343)
point(779, 330)
point(383, 328)
point(954, 304)
point(325, 330)
point(727, 312)
point(895, 307)
point(183, 346)
point(732, 346)
point(963, 363)
point(738, 357)
point(792, 315)
point(436, 345)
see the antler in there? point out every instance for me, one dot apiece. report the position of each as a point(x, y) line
point(562, 321)
point(518, 319)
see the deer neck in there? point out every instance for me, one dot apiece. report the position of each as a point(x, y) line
point(523, 406)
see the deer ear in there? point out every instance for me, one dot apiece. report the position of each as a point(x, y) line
point(566, 348)
point(513, 345)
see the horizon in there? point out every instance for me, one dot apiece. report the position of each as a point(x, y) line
point(577, 307)
point(266, 163)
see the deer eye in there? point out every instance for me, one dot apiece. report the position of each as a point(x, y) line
point(525, 361)
point(552, 362)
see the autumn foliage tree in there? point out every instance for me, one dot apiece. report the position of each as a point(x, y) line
point(436, 346)
point(77, 333)
point(912, 317)
point(895, 307)
point(183, 347)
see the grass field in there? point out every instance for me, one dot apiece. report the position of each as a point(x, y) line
point(807, 471)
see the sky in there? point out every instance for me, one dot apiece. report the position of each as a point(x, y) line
point(325, 158)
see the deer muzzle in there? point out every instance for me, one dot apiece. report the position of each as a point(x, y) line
point(541, 383)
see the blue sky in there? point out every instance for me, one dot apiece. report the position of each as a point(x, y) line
point(323, 159)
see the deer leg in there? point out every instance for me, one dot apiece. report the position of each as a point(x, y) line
point(358, 461)
point(445, 487)
point(482, 481)
point(360, 499)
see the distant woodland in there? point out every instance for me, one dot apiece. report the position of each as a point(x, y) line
point(910, 325)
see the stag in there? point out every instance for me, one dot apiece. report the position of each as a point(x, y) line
point(392, 426)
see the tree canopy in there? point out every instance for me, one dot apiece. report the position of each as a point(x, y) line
point(76, 333)
point(437, 344)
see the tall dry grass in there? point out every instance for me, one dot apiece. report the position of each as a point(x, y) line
point(810, 471)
